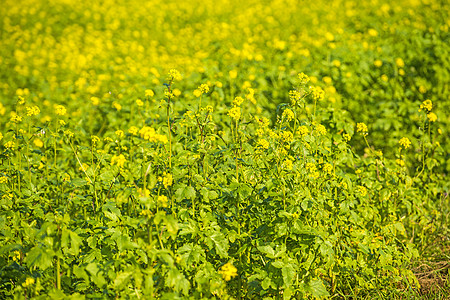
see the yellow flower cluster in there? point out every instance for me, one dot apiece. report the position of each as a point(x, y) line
point(175, 75)
point(15, 118)
point(303, 78)
point(303, 131)
point(288, 164)
point(3, 179)
point(362, 190)
point(33, 111)
point(166, 179)
point(317, 93)
point(29, 281)
point(294, 96)
point(118, 160)
point(327, 168)
point(288, 114)
point(427, 105)
point(432, 117)
point(361, 127)
point(287, 137)
point(162, 200)
point(228, 271)
point(60, 110)
point(149, 133)
point(405, 142)
point(235, 113)
point(149, 93)
point(264, 144)
point(133, 130)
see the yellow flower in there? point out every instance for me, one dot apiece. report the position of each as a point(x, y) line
point(118, 160)
point(95, 139)
point(149, 93)
point(310, 167)
point(288, 114)
point(1, 136)
point(400, 162)
point(427, 105)
point(117, 106)
point(21, 100)
point(362, 190)
point(378, 63)
point(294, 96)
point(263, 143)
point(197, 93)
point(361, 127)
point(176, 92)
point(120, 133)
point(204, 88)
point(9, 145)
point(317, 93)
point(38, 143)
point(372, 32)
point(422, 89)
point(235, 113)
point(228, 271)
point(133, 130)
point(95, 101)
point(405, 142)
point(336, 63)
point(288, 164)
point(33, 111)
point(3, 179)
point(320, 129)
point(2, 109)
point(327, 168)
point(60, 110)
point(29, 281)
point(303, 131)
point(287, 136)
point(233, 74)
point(238, 101)
point(148, 133)
point(327, 79)
point(304, 79)
point(139, 102)
point(175, 75)
point(66, 177)
point(399, 62)
point(167, 180)
point(384, 78)
point(162, 200)
point(15, 118)
point(347, 137)
point(432, 117)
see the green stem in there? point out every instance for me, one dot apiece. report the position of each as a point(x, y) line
point(58, 274)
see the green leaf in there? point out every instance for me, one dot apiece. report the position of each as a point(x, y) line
point(270, 252)
point(278, 264)
point(40, 257)
point(219, 241)
point(122, 279)
point(176, 280)
point(316, 288)
point(288, 272)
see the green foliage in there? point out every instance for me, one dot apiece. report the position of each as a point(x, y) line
point(234, 176)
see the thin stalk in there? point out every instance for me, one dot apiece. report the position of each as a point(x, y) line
point(58, 274)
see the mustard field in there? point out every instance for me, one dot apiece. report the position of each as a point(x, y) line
point(279, 149)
